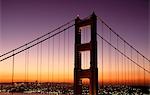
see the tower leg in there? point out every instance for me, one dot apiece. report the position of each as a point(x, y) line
point(92, 72)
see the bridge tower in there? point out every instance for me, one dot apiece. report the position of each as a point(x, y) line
point(92, 72)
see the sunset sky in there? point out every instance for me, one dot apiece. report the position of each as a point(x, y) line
point(23, 20)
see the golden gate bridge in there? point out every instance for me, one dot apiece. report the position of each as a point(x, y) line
point(82, 56)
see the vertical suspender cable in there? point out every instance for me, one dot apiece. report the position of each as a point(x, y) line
point(102, 63)
point(134, 82)
point(131, 70)
point(122, 70)
point(13, 71)
point(68, 55)
point(102, 56)
point(125, 61)
point(64, 56)
point(117, 61)
point(27, 65)
point(144, 71)
point(37, 62)
point(52, 64)
point(13, 65)
point(26, 61)
point(128, 71)
point(48, 64)
point(41, 63)
point(58, 54)
point(116, 79)
point(138, 70)
point(110, 57)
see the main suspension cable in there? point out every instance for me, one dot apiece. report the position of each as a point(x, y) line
point(37, 43)
point(123, 54)
point(38, 38)
point(121, 37)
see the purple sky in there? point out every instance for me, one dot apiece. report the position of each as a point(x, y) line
point(149, 28)
point(24, 20)
point(0, 25)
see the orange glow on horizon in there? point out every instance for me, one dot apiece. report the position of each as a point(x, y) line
point(62, 70)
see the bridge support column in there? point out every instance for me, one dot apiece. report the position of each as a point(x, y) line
point(92, 72)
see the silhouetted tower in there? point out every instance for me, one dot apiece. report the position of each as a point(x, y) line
point(92, 72)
